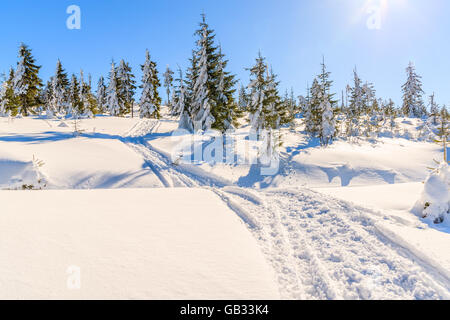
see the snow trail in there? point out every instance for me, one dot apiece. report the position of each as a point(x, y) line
point(336, 250)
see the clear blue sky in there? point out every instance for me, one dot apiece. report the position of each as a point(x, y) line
point(292, 34)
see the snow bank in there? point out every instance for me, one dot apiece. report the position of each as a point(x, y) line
point(128, 244)
point(434, 205)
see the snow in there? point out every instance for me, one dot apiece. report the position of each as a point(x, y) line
point(85, 162)
point(392, 206)
point(332, 223)
point(128, 244)
point(435, 201)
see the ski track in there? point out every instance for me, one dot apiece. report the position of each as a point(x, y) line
point(319, 247)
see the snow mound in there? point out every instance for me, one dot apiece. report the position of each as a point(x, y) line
point(16, 175)
point(434, 204)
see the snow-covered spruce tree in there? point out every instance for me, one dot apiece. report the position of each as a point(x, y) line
point(57, 97)
point(179, 86)
point(50, 99)
point(257, 95)
point(434, 110)
point(181, 107)
point(294, 106)
point(320, 91)
point(290, 106)
point(303, 103)
point(413, 105)
point(326, 84)
point(127, 87)
point(45, 93)
point(26, 82)
point(328, 125)
point(150, 101)
point(206, 81)
point(371, 111)
point(87, 98)
point(313, 116)
point(83, 96)
point(356, 107)
point(265, 106)
point(207, 66)
point(114, 99)
point(168, 84)
point(389, 114)
point(279, 111)
point(101, 95)
point(320, 121)
point(75, 107)
point(243, 99)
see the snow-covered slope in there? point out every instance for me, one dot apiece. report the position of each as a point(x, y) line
point(128, 244)
point(368, 245)
point(96, 159)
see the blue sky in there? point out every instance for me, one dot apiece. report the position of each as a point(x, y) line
point(292, 34)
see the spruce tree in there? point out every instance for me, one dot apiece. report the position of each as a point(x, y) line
point(257, 91)
point(413, 105)
point(356, 106)
point(434, 110)
point(57, 101)
point(75, 108)
point(370, 110)
point(390, 114)
point(26, 83)
point(328, 125)
point(225, 109)
point(11, 101)
point(168, 84)
point(204, 88)
point(290, 106)
point(128, 86)
point(88, 101)
point(313, 114)
point(326, 84)
point(181, 107)
point(243, 99)
point(101, 95)
point(46, 92)
point(277, 109)
point(265, 106)
point(50, 99)
point(114, 99)
point(150, 100)
point(320, 91)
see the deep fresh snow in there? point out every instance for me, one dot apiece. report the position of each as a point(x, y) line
point(334, 223)
point(128, 244)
